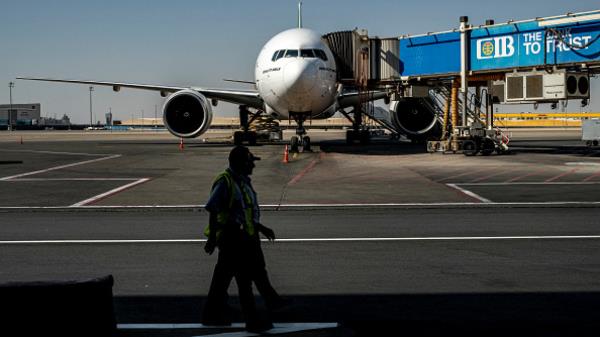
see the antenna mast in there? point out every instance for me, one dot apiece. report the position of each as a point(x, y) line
point(299, 14)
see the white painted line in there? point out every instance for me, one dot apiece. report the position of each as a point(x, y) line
point(59, 167)
point(470, 194)
point(109, 193)
point(176, 326)
point(73, 179)
point(275, 207)
point(62, 153)
point(533, 183)
point(582, 163)
point(278, 329)
point(441, 238)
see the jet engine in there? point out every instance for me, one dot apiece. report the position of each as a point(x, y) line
point(416, 118)
point(187, 114)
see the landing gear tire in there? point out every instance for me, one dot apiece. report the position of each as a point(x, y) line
point(365, 137)
point(306, 144)
point(469, 148)
point(487, 147)
point(251, 138)
point(351, 136)
point(295, 144)
point(238, 137)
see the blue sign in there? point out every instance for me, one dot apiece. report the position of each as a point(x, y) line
point(529, 45)
point(504, 47)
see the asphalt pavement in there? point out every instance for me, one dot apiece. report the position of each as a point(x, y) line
point(339, 265)
point(375, 238)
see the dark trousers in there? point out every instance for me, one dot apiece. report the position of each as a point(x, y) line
point(259, 274)
point(243, 260)
point(231, 263)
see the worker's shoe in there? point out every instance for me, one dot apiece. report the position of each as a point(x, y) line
point(258, 326)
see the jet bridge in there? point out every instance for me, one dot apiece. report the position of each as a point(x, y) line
point(543, 60)
point(444, 84)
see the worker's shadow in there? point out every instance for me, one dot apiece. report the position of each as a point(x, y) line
point(437, 314)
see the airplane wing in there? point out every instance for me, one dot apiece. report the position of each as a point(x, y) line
point(246, 97)
point(349, 99)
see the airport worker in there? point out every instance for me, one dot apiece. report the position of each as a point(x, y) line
point(234, 224)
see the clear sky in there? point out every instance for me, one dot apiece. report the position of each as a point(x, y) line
point(198, 42)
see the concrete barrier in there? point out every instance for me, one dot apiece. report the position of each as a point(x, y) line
point(65, 308)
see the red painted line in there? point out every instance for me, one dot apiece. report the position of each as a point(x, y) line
point(592, 176)
point(525, 175)
point(561, 175)
point(492, 175)
point(308, 167)
point(460, 175)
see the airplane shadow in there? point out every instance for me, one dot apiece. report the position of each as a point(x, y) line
point(546, 148)
point(376, 147)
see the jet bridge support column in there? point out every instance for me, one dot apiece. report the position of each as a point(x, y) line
point(464, 55)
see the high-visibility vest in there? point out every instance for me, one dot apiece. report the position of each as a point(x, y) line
point(223, 216)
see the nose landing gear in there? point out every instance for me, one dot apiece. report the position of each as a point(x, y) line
point(300, 142)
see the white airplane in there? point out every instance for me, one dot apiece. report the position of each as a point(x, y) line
point(295, 78)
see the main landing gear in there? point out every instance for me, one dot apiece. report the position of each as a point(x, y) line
point(300, 142)
point(245, 135)
point(357, 133)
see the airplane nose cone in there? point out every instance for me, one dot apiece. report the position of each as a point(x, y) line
point(300, 76)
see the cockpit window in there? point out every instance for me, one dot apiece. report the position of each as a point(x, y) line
point(291, 53)
point(274, 58)
point(277, 55)
point(321, 54)
point(307, 53)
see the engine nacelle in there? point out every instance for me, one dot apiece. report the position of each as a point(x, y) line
point(416, 118)
point(187, 114)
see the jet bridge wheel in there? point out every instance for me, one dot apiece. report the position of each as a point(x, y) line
point(469, 148)
point(487, 147)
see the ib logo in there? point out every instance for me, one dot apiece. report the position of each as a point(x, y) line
point(496, 47)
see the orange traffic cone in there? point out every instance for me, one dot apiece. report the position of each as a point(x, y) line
point(181, 144)
point(286, 155)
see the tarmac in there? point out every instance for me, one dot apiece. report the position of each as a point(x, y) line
point(369, 237)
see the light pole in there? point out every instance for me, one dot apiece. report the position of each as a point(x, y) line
point(155, 113)
point(11, 85)
point(142, 120)
point(91, 115)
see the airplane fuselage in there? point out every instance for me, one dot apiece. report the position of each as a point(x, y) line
point(296, 75)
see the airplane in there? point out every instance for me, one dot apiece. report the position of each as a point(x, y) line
point(295, 78)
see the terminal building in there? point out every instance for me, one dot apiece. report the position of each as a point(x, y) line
point(21, 114)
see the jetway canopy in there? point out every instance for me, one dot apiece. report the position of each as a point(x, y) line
point(562, 41)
